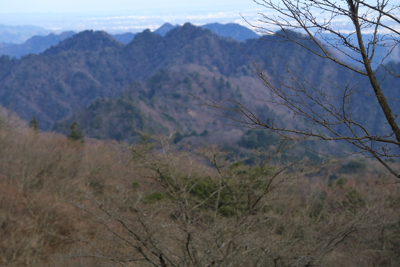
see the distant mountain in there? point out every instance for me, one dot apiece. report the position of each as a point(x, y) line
point(231, 30)
point(19, 34)
point(84, 41)
point(38, 44)
point(69, 76)
point(124, 38)
point(92, 66)
point(387, 49)
point(3, 45)
point(166, 27)
point(35, 44)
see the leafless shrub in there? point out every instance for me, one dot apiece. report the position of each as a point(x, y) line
point(185, 213)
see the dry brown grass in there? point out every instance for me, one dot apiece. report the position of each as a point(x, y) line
point(65, 203)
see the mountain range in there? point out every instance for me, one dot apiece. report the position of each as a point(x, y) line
point(38, 44)
point(150, 84)
point(72, 74)
point(34, 45)
point(19, 34)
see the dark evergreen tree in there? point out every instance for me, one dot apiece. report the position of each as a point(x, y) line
point(76, 133)
point(34, 124)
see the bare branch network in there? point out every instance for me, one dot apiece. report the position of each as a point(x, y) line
point(327, 110)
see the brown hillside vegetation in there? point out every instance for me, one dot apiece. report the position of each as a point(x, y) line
point(66, 203)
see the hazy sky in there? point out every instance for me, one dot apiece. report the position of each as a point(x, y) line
point(34, 6)
point(122, 15)
point(132, 15)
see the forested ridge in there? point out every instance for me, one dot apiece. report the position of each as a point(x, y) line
point(89, 66)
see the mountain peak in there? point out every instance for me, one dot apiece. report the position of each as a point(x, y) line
point(88, 40)
point(166, 27)
point(187, 31)
point(231, 30)
point(146, 37)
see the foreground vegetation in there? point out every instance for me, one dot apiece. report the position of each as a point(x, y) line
point(68, 203)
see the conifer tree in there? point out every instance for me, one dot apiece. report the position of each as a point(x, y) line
point(75, 133)
point(33, 124)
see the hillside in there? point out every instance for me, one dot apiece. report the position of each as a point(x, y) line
point(100, 203)
point(164, 103)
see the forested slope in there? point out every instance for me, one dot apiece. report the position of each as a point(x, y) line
point(91, 65)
